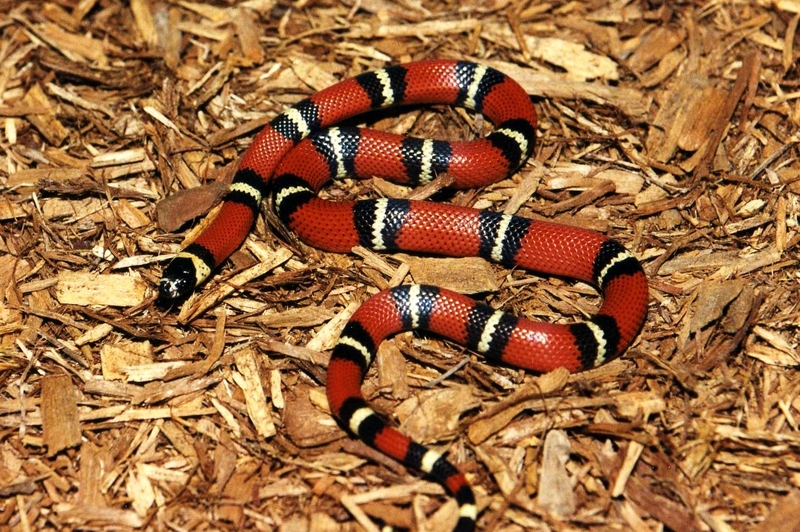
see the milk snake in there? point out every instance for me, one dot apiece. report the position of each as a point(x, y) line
point(298, 152)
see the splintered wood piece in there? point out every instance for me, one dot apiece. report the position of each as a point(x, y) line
point(392, 370)
point(80, 46)
point(556, 496)
point(433, 415)
point(8, 272)
point(501, 414)
point(31, 177)
point(306, 423)
point(60, 209)
point(577, 61)
point(143, 16)
point(507, 480)
point(45, 119)
point(61, 427)
point(699, 117)
point(94, 463)
point(76, 100)
point(632, 454)
point(132, 216)
point(98, 516)
point(633, 405)
point(312, 74)
point(117, 359)
point(296, 317)
point(248, 35)
point(655, 45)
point(224, 464)
point(353, 503)
point(628, 100)
point(425, 28)
point(328, 334)
point(201, 367)
point(10, 211)
point(525, 189)
point(248, 378)
point(141, 491)
point(672, 514)
point(469, 275)
point(583, 176)
point(239, 489)
point(163, 391)
point(113, 290)
point(713, 297)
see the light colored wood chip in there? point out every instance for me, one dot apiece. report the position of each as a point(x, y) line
point(556, 496)
point(133, 217)
point(433, 415)
point(328, 334)
point(299, 317)
point(143, 16)
point(115, 359)
point(141, 492)
point(248, 378)
point(115, 290)
point(470, 275)
point(45, 120)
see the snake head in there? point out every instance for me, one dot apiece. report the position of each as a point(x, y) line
point(178, 280)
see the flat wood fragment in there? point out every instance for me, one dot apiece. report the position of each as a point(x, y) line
point(555, 488)
point(44, 119)
point(118, 290)
point(579, 63)
point(116, 359)
point(249, 380)
point(433, 415)
point(73, 44)
point(301, 317)
point(98, 516)
point(655, 46)
point(467, 276)
point(326, 336)
point(61, 428)
point(175, 211)
point(9, 211)
point(306, 423)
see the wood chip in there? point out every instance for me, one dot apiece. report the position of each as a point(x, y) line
point(61, 428)
point(116, 290)
point(44, 119)
point(467, 276)
point(433, 416)
point(249, 380)
point(555, 488)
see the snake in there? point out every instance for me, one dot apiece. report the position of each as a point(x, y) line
point(302, 149)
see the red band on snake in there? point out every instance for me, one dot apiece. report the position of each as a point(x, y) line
point(298, 152)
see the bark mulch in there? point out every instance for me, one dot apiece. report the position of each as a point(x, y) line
point(670, 126)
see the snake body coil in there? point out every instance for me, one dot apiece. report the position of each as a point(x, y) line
point(299, 151)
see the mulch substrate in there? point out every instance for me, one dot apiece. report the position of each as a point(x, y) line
point(673, 127)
